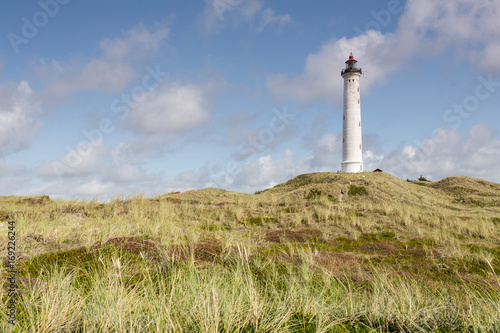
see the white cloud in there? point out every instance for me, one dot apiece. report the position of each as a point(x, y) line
point(447, 154)
point(111, 72)
point(170, 108)
point(93, 170)
point(100, 75)
point(218, 12)
point(18, 126)
point(476, 154)
point(85, 160)
point(137, 42)
point(265, 172)
point(94, 188)
point(118, 170)
point(60, 189)
point(321, 77)
point(269, 17)
point(425, 28)
point(463, 23)
point(489, 59)
point(326, 153)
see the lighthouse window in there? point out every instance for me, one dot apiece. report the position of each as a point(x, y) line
point(359, 146)
point(358, 101)
point(343, 140)
point(358, 89)
point(359, 124)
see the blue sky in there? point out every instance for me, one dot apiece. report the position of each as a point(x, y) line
point(100, 99)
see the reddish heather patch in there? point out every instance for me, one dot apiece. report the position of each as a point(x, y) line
point(207, 250)
point(299, 235)
point(436, 253)
point(340, 264)
point(382, 248)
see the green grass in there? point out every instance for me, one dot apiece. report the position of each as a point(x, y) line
point(389, 257)
point(357, 190)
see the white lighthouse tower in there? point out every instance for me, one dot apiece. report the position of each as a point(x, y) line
point(352, 158)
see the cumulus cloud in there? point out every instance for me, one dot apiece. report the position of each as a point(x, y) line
point(251, 12)
point(252, 139)
point(94, 188)
point(490, 57)
point(110, 73)
point(83, 161)
point(119, 170)
point(425, 28)
point(321, 77)
point(466, 24)
point(137, 42)
point(94, 170)
point(447, 153)
point(18, 126)
point(170, 107)
point(270, 17)
point(326, 153)
point(98, 74)
point(265, 171)
point(60, 189)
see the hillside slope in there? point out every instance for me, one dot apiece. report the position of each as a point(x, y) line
point(364, 252)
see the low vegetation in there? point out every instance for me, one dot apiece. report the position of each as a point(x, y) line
point(323, 252)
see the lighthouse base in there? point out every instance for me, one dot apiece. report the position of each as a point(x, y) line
point(352, 166)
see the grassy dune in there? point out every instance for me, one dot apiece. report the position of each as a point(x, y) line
point(323, 252)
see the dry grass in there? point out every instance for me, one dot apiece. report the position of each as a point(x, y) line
point(387, 255)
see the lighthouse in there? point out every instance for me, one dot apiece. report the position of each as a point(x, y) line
point(352, 157)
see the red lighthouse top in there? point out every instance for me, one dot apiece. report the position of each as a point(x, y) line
point(351, 58)
point(350, 66)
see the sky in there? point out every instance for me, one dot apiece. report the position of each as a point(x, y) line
point(110, 99)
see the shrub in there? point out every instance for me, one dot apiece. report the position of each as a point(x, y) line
point(357, 190)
